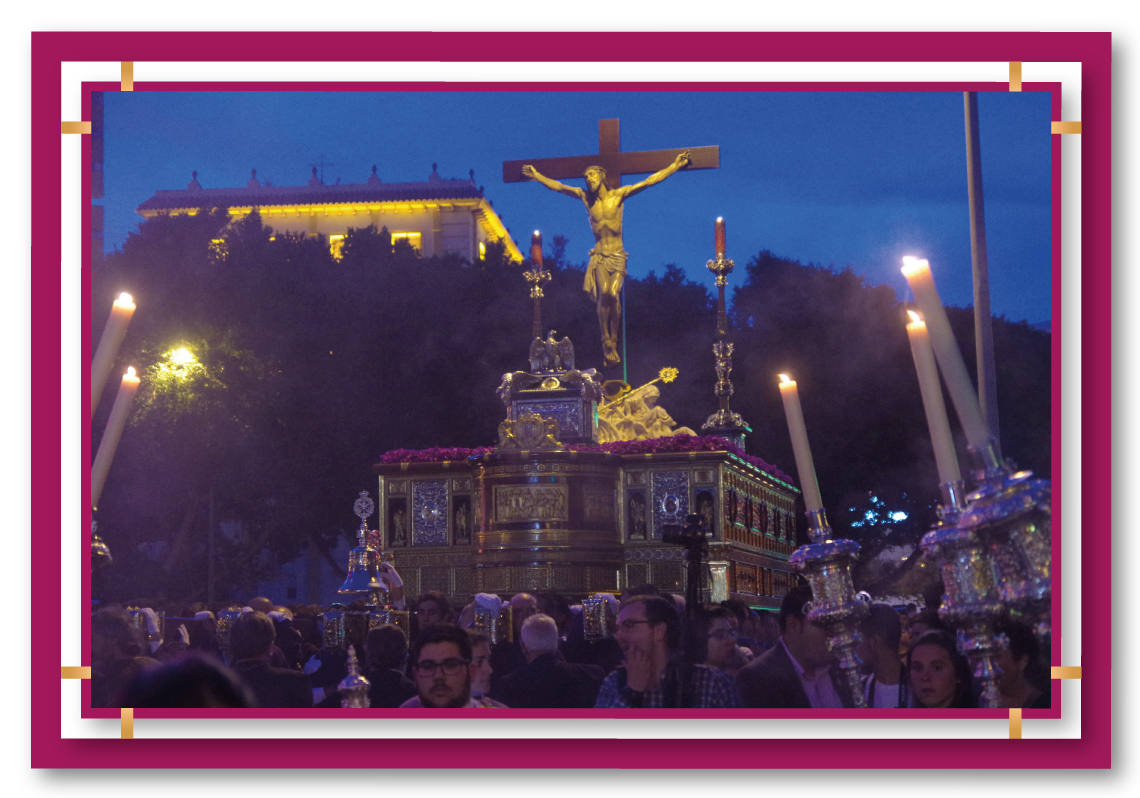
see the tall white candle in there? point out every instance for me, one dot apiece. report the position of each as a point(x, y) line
point(962, 393)
point(804, 465)
point(936, 418)
point(111, 434)
point(113, 333)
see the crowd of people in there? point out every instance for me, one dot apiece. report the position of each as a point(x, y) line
point(658, 655)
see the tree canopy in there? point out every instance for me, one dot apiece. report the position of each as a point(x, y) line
point(275, 373)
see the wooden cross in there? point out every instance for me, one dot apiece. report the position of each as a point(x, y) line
point(612, 159)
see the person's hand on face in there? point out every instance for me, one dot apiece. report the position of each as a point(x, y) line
point(636, 636)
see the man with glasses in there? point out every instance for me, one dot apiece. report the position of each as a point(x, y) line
point(652, 673)
point(443, 668)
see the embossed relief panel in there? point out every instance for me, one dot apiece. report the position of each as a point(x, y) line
point(598, 504)
point(429, 512)
point(462, 518)
point(398, 522)
point(670, 500)
point(705, 509)
point(531, 503)
point(638, 514)
point(567, 414)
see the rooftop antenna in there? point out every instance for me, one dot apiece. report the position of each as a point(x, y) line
point(321, 164)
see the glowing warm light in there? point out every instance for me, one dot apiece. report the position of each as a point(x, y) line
point(122, 309)
point(482, 251)
point(481, 210)
point(336, 245)
point(182, 357)
point(415, 239)
point(131, 373)
point(912, 265)
point(914, 317)
point(950, 362)
point(789, 393)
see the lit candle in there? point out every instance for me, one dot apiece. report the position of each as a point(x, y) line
point(536, 248)
point(965, 398)
point(804, 465)
point(112, 433)
point(720, 237)
point(936, 418)
point(121, 312)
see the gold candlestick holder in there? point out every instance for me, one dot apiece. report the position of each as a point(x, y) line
point(835, 606)
point(971, 602)
point(1011, 514)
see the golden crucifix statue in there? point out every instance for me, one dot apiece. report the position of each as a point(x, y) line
point(604, 198)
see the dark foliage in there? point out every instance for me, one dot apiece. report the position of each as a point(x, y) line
point(309, 367)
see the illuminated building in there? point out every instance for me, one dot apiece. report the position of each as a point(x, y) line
point(435, 216)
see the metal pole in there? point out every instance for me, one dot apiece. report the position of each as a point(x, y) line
point(983, 319)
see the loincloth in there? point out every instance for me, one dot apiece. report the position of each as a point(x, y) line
point(609, 263)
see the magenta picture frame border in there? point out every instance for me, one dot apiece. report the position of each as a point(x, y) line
point(1092, 50)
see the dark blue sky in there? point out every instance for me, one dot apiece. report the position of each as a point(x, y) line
point(842, 178)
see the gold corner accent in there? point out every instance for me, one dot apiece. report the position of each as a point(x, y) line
point(1015, 723)
point(1065, 672)
point(75, 127)
point(1015, 76)
point(128, 76)
point(127, 723)
point(75, 672)
point(1066, 127)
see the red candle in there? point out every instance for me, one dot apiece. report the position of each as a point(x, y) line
point(720, 237)
point(536, 248)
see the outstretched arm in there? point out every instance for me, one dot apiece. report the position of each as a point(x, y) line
point(655, 178)
point(553, 185)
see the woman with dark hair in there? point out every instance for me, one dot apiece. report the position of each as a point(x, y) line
point(1020, 669)
point(939, 676)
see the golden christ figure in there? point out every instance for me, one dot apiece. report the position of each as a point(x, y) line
point(606, 272)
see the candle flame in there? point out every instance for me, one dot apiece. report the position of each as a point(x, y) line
point(131, 372)
point(786, 380)
point(914, 317)
point(912, 265)
point(125, 300)
point(536, 232)
point(720, 218)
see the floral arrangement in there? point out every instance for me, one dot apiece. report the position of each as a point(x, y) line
point(670, 443)
point(435, 454)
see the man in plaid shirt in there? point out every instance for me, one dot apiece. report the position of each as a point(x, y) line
point(649, 633)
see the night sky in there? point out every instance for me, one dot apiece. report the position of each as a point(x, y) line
point(835, 178)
